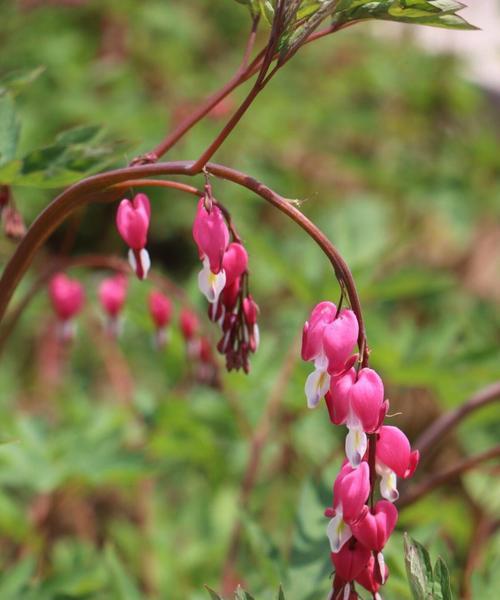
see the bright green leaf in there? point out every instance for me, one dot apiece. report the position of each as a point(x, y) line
point(419, 569)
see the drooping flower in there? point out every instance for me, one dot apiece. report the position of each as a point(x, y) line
point(160, 309)
point(328, 339)
point(367, 412)
point(312, 334)
point(372, 578)
point(373, 529)
point(251, 312)
point(112, 294)
point(211, 235)
point(190, 327)
point(67, 297)
point(394, 459)
point(132, 221)
point(350, 561)
point(350, 492)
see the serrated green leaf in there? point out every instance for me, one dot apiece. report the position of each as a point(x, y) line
point(9, 129)
point(419, 569)
point(16, 81)
point(442, 587)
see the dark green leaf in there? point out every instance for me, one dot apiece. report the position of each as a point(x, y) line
point(281, 594)
point(438, 13)
point(419, 569)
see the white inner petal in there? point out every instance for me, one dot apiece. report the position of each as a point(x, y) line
point(356, 444)
point(317, 384)
point(338, 532)
point(388, 483)
point(211, 284)
point(145, 262)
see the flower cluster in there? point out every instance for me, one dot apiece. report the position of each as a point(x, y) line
point(224, 282)
point(358, 528)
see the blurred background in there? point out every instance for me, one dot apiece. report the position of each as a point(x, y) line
point(120, 474)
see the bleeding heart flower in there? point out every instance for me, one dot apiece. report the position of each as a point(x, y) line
point(394, 458)
point(350, 561)
point(67, 296)
point(371, 577)
point(67, 299)
point(211, 235)
point(132, 221)
point(373, 529)
point(112, 294)
point(350, 492)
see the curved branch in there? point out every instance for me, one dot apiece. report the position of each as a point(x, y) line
point(98, 187)
point(441, 478)
point(442, 426)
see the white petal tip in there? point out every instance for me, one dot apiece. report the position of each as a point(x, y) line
point(211, 284)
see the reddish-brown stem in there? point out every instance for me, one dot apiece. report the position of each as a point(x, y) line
point(182, 187)
point(443, 426)
point(230, 125)
point(98, 187)
point(434, 482)
point(244, 72)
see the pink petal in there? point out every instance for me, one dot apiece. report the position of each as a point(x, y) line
point(366, 397)
point(339, 340)
point(235, 262)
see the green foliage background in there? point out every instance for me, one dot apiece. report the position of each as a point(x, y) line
point(118, 490)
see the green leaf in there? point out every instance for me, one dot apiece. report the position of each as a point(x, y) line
point(15, 580)
point(438, 13)
point(124, 586)
point(78, 135)
point(442, 587)
point(281, 594)
point(9, 129)
point(16, 81)
point(213, 594)
point(419, 569)
point(240, 594)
